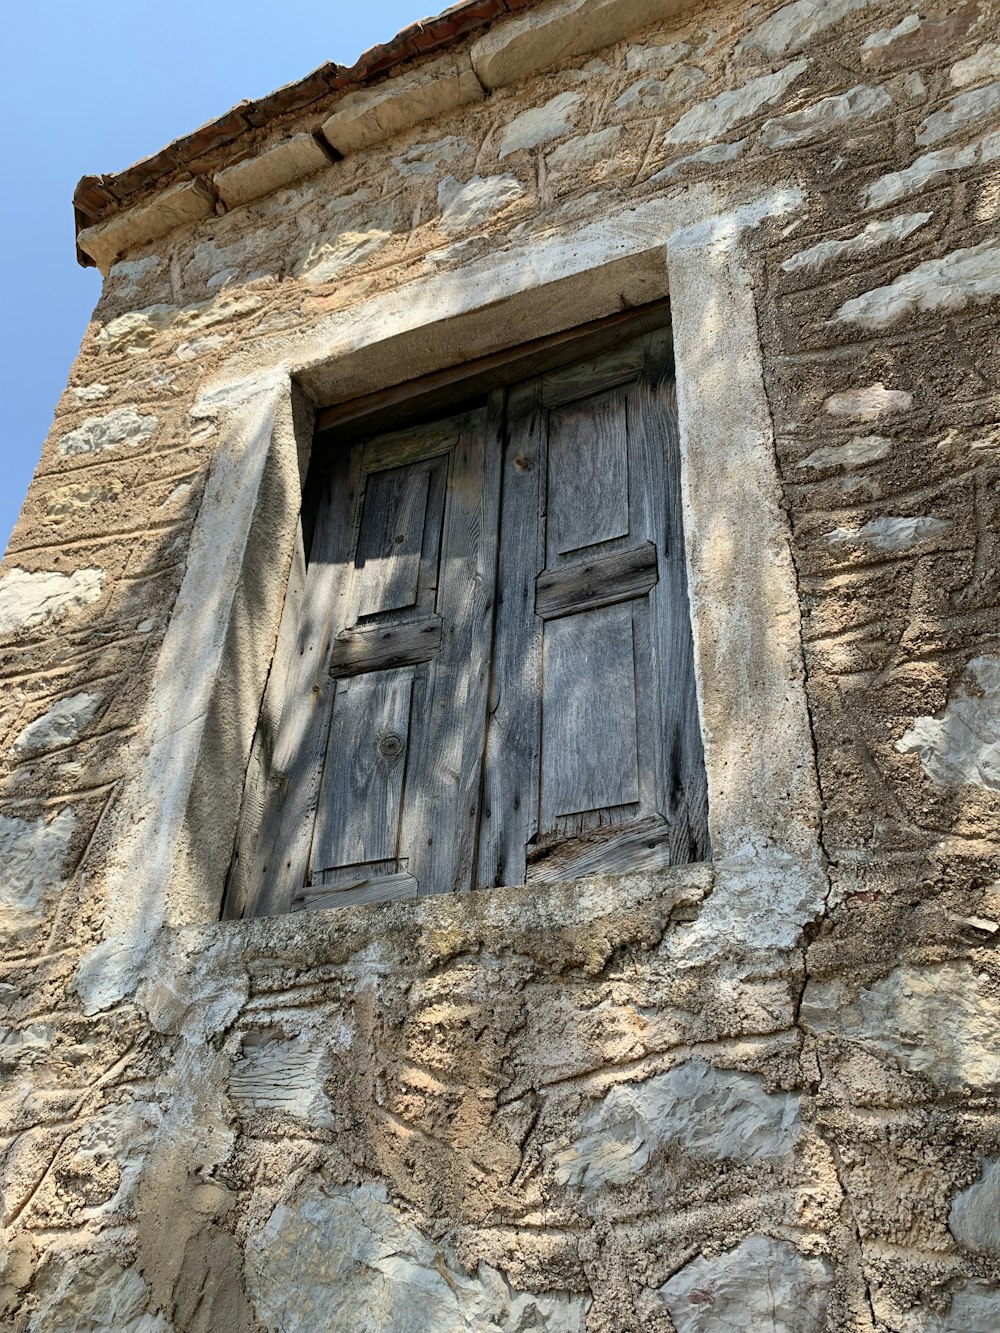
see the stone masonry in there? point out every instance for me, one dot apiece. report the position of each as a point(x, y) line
point(724, 1097)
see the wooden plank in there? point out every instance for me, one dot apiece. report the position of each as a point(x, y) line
point(589, 738)
point(390, 544)
point(379, 647)
point(355, 888)
point(598, 580)
point(416, 444)
point(432, 393)
point(443, 801)
point(682, 788)
point(513, 737)
point(595, 375)
point(361, 797)
point(282, 859)
point(638, 845)
point(588, 474)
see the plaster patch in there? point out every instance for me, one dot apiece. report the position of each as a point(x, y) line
point(893, 532)
point(282, 1075)
point(875, 234)
point(124, 425)
point(30, 599)
point(959, 113)
point(92, 1293)
point(713, 119)
point(964, 277)
point(974, 1219)
point(711, 1113)
point(345, 1260)
point(856, 452)
point(934, 1020)
point(538, 124)
point(794, 26)
point(424, 159)
point(982, 64)
point(59, 725)
point(762, 1284)
point(824, 117)
point(468, 205)
point(65, 501)
point(868, 403)
point(32, 854)
point(960, 745)
point(930, 169)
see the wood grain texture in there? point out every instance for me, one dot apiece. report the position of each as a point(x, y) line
point(379, 647)
point(587, 474)
point(589, 742)
point(596, 580)
point(390, 543)
point(638, 845)
point(355, 886)
point(361, 797)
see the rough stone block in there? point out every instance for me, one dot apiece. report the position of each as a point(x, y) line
point(513, 51)
point(279, 166)
point(378, 113)
point(187, 201)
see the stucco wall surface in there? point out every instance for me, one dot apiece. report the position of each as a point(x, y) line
point(759, 1094)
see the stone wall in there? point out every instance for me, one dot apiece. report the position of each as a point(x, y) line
point(659, 1102)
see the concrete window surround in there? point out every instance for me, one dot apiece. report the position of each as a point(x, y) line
point(204, 707)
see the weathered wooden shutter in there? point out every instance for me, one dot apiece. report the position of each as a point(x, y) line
point(376, 769)
point(593, 760)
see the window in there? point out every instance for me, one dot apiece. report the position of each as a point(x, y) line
point(492, 676)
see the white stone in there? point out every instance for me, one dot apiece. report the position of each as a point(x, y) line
point(552, 120)
point(876, 234)
point(331, 258)
point(975, 1308)
point(715, 154)
point(512, 50)
point(92, 1293)
point(959, 113)
point(186, 202)
point(32, 854)
point(91, 393)
point(794, 26)
point(374, 114)
point(886, 36)
point(866, 404)
point(893, 533)
point(960, 745)
point(129, 273)
point(714, 1114)
point(125, 425)
point(934, 1020)
point(59, 725)
point(652, 93)
point(930, 169)
point(826, 116)
point(135, 332)
point(982, 64)
point(282, 1075)
point(274, 169)
point(764, 1284)
point(858, 451)
point(468, 205)
point(583, 151)
point(346, 1261)
point(424, 159)
point(714, 118)
point(974, 1219)
point(958, 279)
point(28, 600)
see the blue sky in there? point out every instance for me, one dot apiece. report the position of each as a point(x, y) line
point(92, 88)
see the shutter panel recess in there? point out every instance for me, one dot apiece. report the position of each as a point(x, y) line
point(379, 747)
point(453, 718)
point(593, 760)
